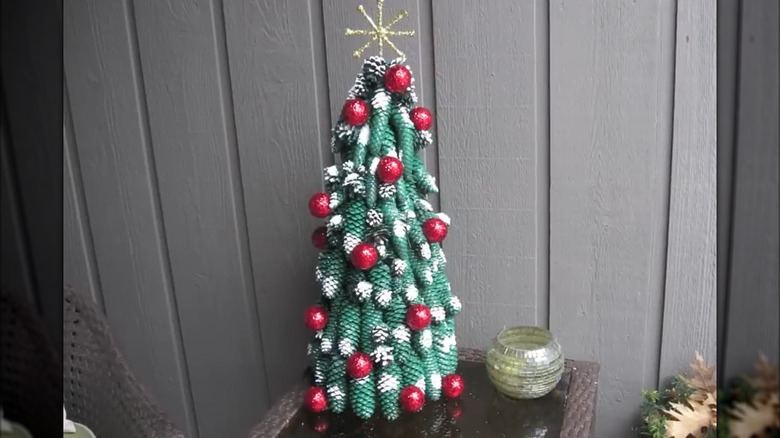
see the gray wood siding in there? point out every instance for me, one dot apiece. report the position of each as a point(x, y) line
point(575, 152)
point(611, 110)
point(752, 284)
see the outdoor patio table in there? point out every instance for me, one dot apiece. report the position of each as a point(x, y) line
point(481, 411)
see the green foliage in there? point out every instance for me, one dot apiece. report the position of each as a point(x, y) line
point(653, 418)
point(654, 402)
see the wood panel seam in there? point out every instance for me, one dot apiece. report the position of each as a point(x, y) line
point(71, 154)
point(160, 231)
point(236, 178)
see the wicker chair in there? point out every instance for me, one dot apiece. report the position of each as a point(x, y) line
point(98, 389)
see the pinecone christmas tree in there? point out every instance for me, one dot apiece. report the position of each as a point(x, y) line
point(384, 329)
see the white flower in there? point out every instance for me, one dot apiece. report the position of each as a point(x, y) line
point(411, 214)
point(420, 384)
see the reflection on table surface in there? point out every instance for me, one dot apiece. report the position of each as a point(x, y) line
point(480, 412)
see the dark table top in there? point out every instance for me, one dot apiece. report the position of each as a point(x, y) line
point(481, 411)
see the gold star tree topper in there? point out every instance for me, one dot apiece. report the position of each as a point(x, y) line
point(380, 32)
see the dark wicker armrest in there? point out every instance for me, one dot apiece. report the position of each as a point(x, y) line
point(99, 389)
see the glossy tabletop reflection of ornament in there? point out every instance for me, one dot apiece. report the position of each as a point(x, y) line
point(481, 411)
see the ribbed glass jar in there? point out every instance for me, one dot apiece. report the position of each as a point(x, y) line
point(525, 362)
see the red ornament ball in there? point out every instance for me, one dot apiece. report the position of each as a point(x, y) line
point(319, 205)
point(397, 79)
point(421, 118)
point(452, 385)
point(390, 170)
point(315, 399)
point(418, 316)
point(315, 318)
point(412, 399)
point(434, 229)
point(364, 256)
point(359, 365)
point(319, 238)
point(354, 112)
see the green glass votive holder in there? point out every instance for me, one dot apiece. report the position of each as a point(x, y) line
point(525, 362)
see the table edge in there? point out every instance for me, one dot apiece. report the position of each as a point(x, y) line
point(578, 420)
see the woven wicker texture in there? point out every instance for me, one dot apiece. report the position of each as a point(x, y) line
point(29, 370)
point(578, 417)
point(99, 389)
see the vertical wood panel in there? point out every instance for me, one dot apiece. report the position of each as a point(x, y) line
point(728, 64)
point(691, 268)
point(343, 67)
point(187, 84)
point(611, 74)
point(120, 190)
point(78, 253)
point(754, 302)
point(282, 122)
point(487, 99)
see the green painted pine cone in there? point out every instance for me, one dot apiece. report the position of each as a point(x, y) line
point(361, 396)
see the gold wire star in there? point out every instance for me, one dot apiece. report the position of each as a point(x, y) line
point(380, 32)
